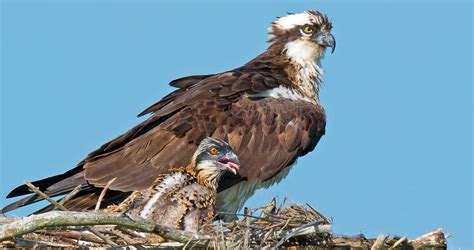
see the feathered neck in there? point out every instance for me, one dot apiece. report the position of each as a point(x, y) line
point(205, 175)
point(299, 61)
point(304, 60)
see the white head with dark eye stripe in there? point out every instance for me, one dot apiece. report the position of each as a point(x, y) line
point(310, 26)
point(303, 38)
point(214, 157)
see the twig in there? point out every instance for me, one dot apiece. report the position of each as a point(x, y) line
point(189, 241)
point(400, 241)
point(222, 235)
point(32, 244)
point(266, 236)
point(73, 235)
point(282, 204)
point(435, 238)
point(246, 215)
point(201, 228)
point(45, 196)
point(379, 242)
point(130, 232)
point(70, 195)
point(314, 227)
point(102, 194)
point(269, 208)
point(276, 216)
point(276, 225)
point(68, 218)
point(286, 224)
point(318, 213)
point(247, 223)
point(56, 204)
point(123, 236)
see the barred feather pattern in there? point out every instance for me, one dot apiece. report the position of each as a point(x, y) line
point(179, 199)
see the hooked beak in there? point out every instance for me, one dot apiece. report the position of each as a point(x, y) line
point(325, 39)
point(231, 161)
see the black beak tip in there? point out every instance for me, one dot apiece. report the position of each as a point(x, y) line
point(332, 43)
point(326, 40)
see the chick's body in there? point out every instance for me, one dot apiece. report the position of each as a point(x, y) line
point(177, 200)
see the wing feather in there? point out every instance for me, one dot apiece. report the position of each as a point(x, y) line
point(267, 133)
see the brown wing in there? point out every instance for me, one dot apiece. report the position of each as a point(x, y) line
point(258, 129)
point(180, 121)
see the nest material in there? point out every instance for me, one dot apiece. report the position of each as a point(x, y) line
point(273, 225)
point(276, 226)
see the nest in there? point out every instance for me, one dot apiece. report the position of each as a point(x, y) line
point(275, 225)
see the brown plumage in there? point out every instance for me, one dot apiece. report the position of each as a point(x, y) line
point(268, 110)
point(184, 198)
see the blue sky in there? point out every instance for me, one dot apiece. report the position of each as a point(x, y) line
point(397, 156)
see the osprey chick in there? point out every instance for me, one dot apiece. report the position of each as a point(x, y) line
point(185, 198)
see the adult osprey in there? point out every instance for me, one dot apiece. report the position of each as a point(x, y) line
point(268, 110)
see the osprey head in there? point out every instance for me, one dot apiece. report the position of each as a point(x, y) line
point(308, 33)
point(213, 157)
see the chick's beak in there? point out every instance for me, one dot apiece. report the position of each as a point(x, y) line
point(325, 39)
point(231, 161)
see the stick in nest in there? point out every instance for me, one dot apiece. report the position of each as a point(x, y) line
point(70, 195)
point(102, 194)
point(61, 207)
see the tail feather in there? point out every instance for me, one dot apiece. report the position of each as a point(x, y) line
point(52, 186)
point(45, 183)
point(30, 199)
point(84, 200)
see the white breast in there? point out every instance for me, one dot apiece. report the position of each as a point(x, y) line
point(233, 199)
point(306, 55)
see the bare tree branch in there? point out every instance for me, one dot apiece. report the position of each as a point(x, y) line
point(62, 218)
point(62, 207)
point(295, 225)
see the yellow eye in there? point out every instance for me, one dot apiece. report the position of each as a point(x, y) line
point(213, 151)
point(308, 29)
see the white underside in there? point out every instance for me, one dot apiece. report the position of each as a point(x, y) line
point(191, 221)
point(307, 55)
point(233, 199)
point(164, 186)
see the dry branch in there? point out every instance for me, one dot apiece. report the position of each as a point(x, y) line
point(270, 226)
point(62, 207)
point(67, 218)
point(102, 194)
point(70, 195)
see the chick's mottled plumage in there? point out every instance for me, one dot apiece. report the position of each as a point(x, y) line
point(185, 198)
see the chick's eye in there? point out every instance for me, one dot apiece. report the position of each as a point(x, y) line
point(213, 151)
point(308, 29)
